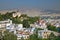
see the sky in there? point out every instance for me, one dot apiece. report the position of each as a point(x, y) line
point(39, 4)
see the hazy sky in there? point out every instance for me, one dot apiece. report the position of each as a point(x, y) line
point(40, 4)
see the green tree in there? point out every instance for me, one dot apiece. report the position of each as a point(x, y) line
point(26, 24)
point(58, 29)
point(8, 15)
point(57, 38)
point(51, 27)
point(1, 18)
point(9, 36)
point(33, 19)
point(24, 15)
point(22, 38)
point(33, 37)
point(52, 37)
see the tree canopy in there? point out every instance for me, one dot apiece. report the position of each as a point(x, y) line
point(9, 36)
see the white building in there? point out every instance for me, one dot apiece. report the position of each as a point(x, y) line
point(14, 27)
point(43, 33)
point(5, 23)
point(19, 26)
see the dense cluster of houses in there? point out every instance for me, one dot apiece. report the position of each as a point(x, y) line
point(20, 32)
point(17, 29)
point(43, 25)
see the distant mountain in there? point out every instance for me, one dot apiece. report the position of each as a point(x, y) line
point(52, 11)
point(32, 12)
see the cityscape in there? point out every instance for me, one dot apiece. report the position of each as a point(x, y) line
point(29, 21)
